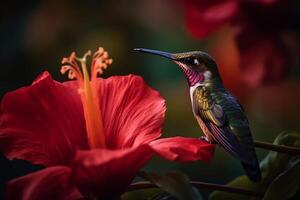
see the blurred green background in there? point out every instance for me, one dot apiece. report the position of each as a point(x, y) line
point(36, 35)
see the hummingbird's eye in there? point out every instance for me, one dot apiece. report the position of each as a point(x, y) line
point(191, 61)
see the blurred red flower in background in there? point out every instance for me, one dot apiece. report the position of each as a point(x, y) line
point(257, 28)
point(92, 134)
point(203, 17)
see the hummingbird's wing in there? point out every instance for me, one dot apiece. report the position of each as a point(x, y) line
point(213, 115)
point(239, 125)
point(223, 116)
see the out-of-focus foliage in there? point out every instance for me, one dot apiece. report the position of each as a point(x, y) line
point(286, 184)
point(281, 174)
point(147, 194)
point(175, 185)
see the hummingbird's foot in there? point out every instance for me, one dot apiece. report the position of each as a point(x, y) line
point(207, 140)
point(203, 137)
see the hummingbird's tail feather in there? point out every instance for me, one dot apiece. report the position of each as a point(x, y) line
point(253, 171)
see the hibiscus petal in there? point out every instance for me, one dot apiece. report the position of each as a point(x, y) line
point(132, 112)
point(183, 149)
point(42, 123)
point(106, 173)
point(50, 183)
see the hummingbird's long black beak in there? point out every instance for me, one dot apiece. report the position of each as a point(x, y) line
point(155, 52)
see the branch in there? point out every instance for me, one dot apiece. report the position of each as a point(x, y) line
point(225, 188)
point(279, 148)
point(147, 185)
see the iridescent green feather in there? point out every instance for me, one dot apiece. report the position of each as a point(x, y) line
point(216, 106)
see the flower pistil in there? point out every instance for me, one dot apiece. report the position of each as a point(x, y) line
point(88, 89)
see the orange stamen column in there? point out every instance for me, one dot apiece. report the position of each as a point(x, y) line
point(88, 90)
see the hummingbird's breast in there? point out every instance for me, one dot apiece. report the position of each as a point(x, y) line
point(203, 92)
point(192, 90)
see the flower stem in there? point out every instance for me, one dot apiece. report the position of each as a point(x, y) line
point(147, 185)
point(279, 148)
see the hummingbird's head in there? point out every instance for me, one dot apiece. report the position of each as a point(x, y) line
point(197, 66)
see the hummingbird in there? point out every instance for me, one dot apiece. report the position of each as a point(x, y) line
point(218, 113)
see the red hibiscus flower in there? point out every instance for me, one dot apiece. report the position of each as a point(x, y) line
point(257, 25)
point(91, 134)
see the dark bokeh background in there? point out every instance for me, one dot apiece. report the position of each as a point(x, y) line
point(35, 35)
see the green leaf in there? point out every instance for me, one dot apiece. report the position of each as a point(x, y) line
point(286, 184)
point(276, 162)
point(145, 194)
point(239, 182)
point(164, 196)
point(174, 183)
point(273, 168)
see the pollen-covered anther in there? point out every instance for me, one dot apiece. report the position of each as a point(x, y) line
point(69, 69)
point(70, 59)
point(100, 62)
point(70, 65)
